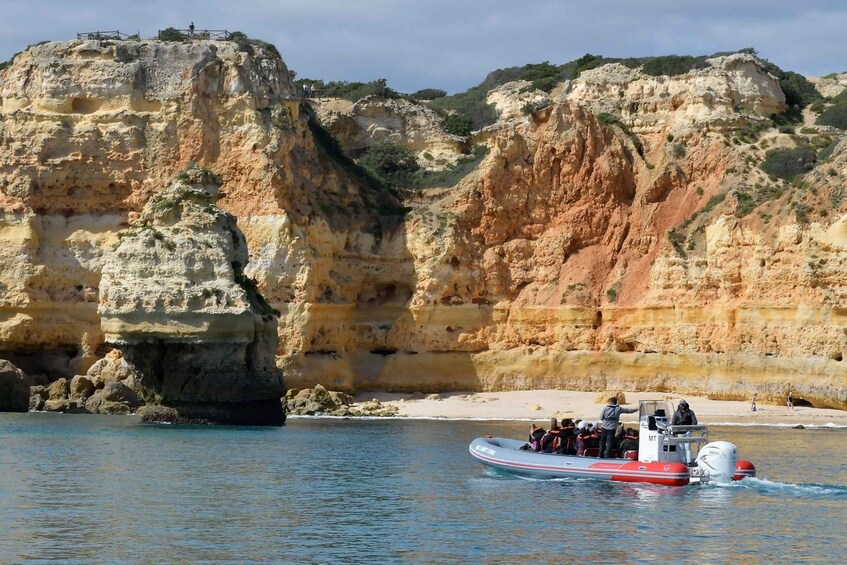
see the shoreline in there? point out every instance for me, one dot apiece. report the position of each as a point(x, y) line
point(541, 405)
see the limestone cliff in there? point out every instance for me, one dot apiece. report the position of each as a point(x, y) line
point(362, 124)
point(620, 234)
point(175, 300)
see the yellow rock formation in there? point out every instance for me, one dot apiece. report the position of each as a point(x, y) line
point(582, 253)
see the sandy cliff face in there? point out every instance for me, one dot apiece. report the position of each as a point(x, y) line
point(418, 128)
point(582, 252)
point(89, 131)
point(174, 298)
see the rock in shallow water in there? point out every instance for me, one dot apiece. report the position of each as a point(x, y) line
point(198, 336)
point(14, 388)
point(319, 400)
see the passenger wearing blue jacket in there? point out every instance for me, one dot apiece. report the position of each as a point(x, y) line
point(610, 417)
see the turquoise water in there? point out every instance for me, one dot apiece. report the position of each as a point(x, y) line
point(106, 489)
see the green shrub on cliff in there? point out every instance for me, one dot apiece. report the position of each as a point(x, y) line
point(457, 124)
point(171, 34)
point(428, 94)
point(835, 116)
point(390, 163)
point(353, 91)
point(670, 65)
point(788, 164)
point(471, 105)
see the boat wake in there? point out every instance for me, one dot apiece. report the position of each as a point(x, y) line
point(776, 488)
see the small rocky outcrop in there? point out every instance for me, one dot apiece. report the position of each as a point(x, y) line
point(191, 325)
point(14, 388)
point(319, 400)
point(374, 119)
point(109, 387)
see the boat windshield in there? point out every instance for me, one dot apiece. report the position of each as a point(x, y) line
point(659, 409)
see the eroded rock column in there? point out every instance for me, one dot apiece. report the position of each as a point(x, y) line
point(175, 300)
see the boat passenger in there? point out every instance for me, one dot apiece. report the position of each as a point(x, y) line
point(551, 437)
point(567, 438)
point(684, 416)
point(629, 441)
point(611, 415)
point(588, 438)
point(535, 435)
point(582, 441)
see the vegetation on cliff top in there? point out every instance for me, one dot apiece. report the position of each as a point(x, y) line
point(396, 167)
point(788, 164)
point(836, 114)
point(353, 91)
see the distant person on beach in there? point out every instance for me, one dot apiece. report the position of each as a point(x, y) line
point(790, 403)
point(610, 417)
point(753, 403)
point(191, 28)
point(684, 415)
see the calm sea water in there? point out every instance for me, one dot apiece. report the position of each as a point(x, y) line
point(102, 489)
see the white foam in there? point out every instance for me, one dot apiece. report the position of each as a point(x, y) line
point(797, 489)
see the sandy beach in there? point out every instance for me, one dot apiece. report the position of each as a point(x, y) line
point(541, 405)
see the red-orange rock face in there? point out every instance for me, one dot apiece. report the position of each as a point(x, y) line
point(645, 250)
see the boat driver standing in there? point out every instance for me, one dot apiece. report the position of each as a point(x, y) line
point(684, 416)
point(610, 417)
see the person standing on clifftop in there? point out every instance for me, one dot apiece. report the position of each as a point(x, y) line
point(610, 417)
point(191, 28)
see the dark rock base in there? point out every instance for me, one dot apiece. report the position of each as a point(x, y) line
point(255, 413)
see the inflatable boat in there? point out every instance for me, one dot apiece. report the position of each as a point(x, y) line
point(667, 455)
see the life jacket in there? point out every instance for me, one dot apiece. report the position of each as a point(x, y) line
point(583, 442)
point(567, 440)
point(535, 438)
point(549, 440)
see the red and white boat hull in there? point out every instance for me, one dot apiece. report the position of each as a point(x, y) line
point(505, 455)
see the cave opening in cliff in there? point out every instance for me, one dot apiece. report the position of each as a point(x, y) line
point(801, 402)
point(85, 105)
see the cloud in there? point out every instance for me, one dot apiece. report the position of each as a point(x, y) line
point(454, 44)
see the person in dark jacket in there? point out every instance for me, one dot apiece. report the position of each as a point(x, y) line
point(684, 416)
point(610, 417)
point(629, 442)
point(550, 440)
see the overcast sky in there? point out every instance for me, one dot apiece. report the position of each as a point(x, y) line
point(453, 44)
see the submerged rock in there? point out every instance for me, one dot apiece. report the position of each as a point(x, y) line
point(192, 327)
point(14, 388)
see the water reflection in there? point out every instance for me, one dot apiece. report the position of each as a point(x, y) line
point(95, 489)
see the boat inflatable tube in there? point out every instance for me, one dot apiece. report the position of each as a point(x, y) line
point(506, 455)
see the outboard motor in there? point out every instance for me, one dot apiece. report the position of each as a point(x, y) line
point(718, 459)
